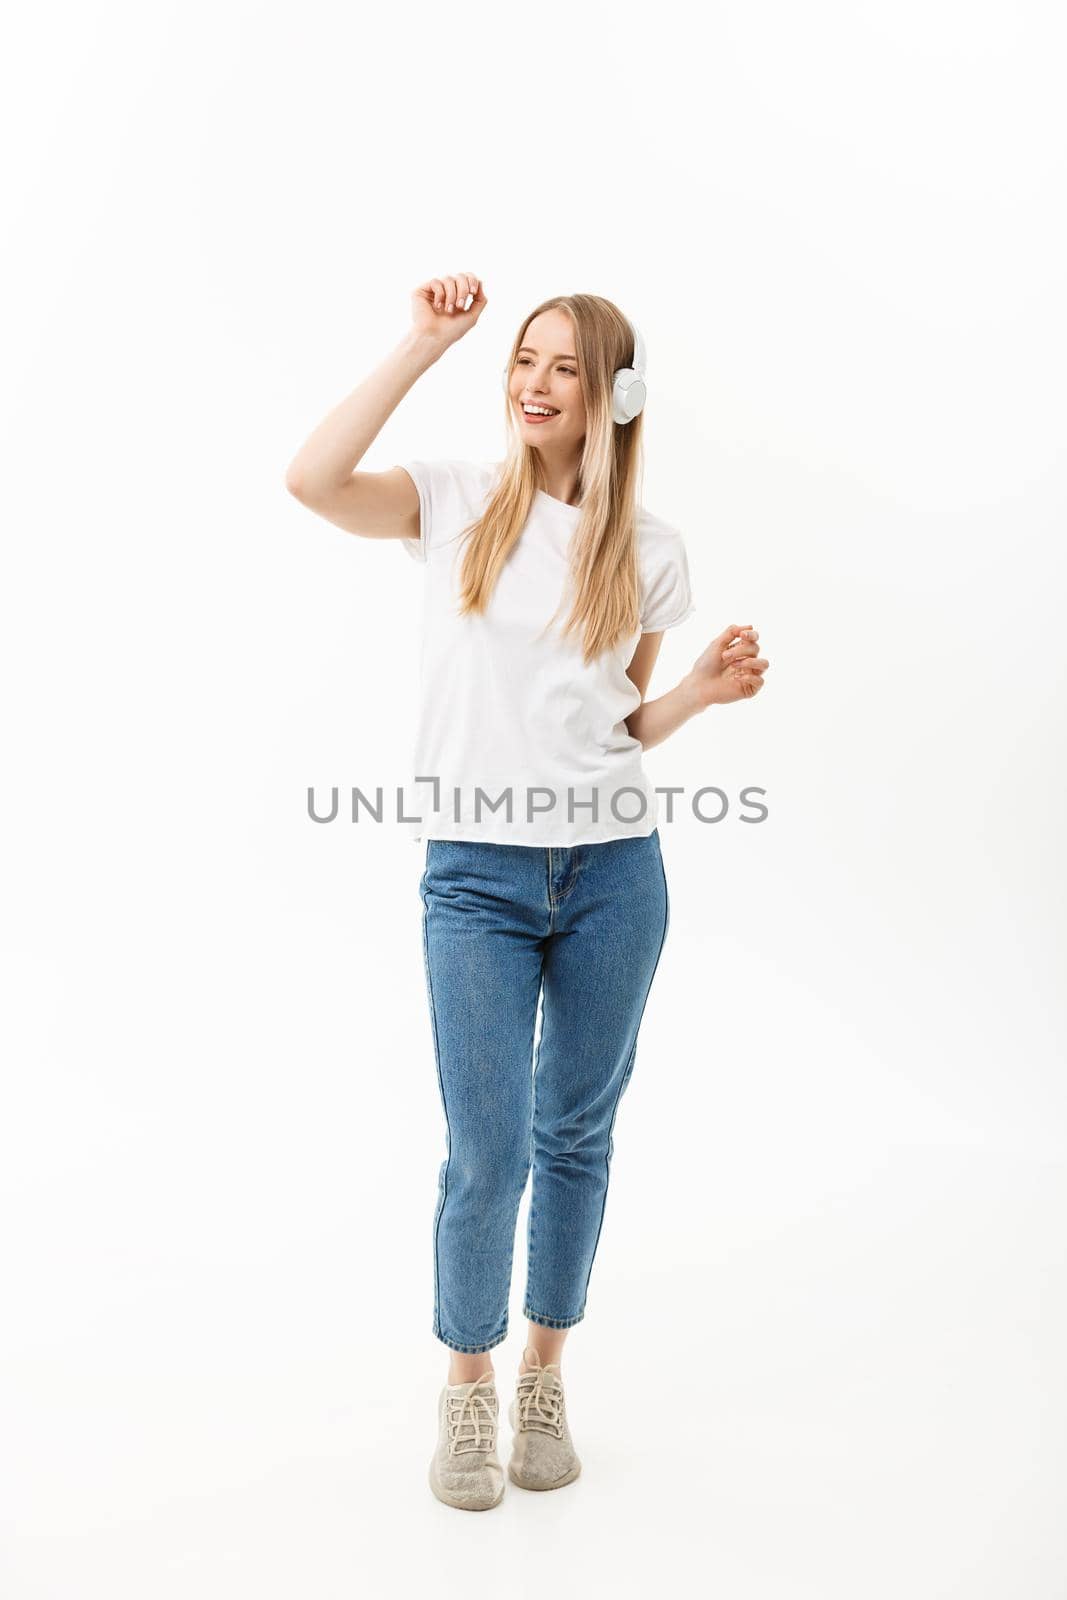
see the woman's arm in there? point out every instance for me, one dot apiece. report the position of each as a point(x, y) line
point(731, 668)
point(655, 720)
point(329, 456)
point(322, 474)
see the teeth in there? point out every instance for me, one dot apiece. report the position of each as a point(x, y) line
point(541, 411)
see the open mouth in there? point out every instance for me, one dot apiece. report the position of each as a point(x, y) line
point(538, 416)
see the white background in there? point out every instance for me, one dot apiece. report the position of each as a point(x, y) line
point(823, 1350)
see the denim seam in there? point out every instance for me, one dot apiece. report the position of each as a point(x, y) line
point(557, 899)
point(530, 1147)
point(533, 1123)
point(448, 1125)
point(470, 1349)
point(623, 1083)
point(552, 1322)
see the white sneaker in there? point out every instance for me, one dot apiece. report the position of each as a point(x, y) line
point(542, 1455)
point(466, 1470)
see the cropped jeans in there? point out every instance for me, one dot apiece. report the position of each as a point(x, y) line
point(579, 928)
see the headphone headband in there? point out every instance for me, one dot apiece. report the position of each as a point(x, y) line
point(629, 393)
point(639, 349)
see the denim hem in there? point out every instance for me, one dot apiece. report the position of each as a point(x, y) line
point(470, 1349)
point(552, 1322)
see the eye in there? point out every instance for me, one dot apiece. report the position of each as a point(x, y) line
point(524, 361)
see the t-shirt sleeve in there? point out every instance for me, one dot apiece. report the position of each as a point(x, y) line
point(426, 476)
point(668, 595)
point(448, 500)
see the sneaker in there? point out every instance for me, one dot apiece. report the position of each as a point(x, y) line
point(542, 1455)
point(465, 1470)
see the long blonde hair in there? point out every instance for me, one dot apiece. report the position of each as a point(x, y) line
point(604, 567)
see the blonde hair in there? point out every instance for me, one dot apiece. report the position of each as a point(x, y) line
point(604, 573)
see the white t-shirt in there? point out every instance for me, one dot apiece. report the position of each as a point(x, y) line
point(508, 706)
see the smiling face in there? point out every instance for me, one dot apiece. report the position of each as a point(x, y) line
point(545, 374)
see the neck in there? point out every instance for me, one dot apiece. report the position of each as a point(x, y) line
point(559, 476)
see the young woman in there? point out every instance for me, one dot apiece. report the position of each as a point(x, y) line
point(548, 587)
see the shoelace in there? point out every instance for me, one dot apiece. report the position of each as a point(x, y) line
point(464, 1413)
point(541, 1403)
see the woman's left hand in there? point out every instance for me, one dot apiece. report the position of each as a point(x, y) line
point(731, 668)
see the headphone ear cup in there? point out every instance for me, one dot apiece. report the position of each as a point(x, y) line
point(628, 396)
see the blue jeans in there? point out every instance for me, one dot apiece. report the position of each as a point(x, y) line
point(585, 923)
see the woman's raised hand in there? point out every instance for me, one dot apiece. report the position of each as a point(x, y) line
point(731, 668)
point(439, 306)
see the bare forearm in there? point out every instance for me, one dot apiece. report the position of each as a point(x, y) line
point(655, 720)
point(330, 455)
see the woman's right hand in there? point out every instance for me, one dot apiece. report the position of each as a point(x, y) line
point(730, 669)
point(437, 307)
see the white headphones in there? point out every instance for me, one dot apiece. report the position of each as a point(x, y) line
point(628, 393)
